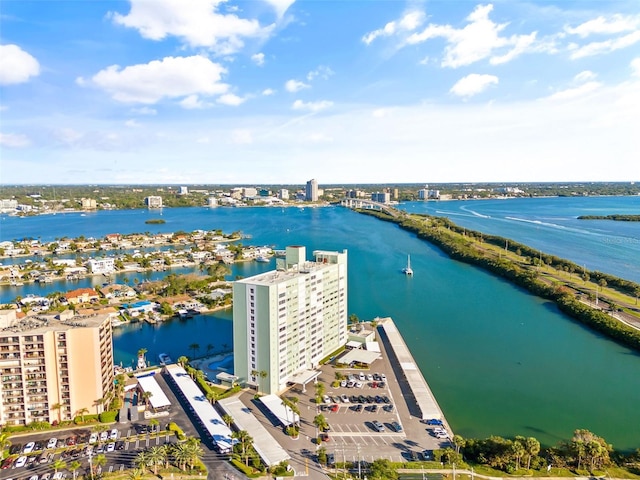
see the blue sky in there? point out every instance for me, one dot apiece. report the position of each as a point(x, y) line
point(280, 91)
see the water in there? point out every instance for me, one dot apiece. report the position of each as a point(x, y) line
point(551, 225)
point(499, 360)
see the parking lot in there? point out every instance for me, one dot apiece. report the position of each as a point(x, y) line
point(33, 456)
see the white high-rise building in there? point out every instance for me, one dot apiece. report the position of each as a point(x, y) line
point(286, 321)
point(311, 191)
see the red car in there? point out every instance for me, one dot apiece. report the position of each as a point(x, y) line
point(7, 463)
point(334, 408)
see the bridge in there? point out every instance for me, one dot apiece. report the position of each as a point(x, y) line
point(368, 205)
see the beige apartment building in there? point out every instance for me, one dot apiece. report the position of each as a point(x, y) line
point(53, 366)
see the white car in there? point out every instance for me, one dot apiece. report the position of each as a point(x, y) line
point(33, 477)
point(111, 447)
point(359, 384)
point(326, 399)
point(20, 462)
point(52, 442)
point(344, 399)
point(104, 436)
point(369, 377)
point(383, 377)
point(93, 438)
point(45, 476)
point(343, 383)
point(114, 434)
point(59, 476)
point(361, 377)
point(28, 448)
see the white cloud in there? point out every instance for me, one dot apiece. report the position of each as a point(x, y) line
point(602, 25)
point(577, 92)
point(231, 99)
point(170, 77)
point(144, 111)
point(14, 140)
point(606, 46)
point(268, 91)
point(295, 86)
point(322, 72)
point(131, 123)
point(280, 6)
point(68, 136)
point(258, 59)
point(192, 102)
point(409, 22)
point(311, 106)
point(380, 112)
point(635, 66)
point(196, 22)
point(473, 84)
point(478, 40)
point(17, 65)
point(241, 137)
point(584, 76)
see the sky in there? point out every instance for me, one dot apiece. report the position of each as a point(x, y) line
point(344, 91)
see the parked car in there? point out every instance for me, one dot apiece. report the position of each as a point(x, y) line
point(28, 448)
point(334, 407)
point(15, 448)
point(343, 383)
point(20, 462)
point(344, 399)
point(111, 447)
point(120, 445)
point(433, 421)
point(8, 462)
point(52, 442)
point(377, 426)
point(114, 434)
point(326, 399)
point(396, 426)
point(45, 476)
point(104, 436)
point(93, 438)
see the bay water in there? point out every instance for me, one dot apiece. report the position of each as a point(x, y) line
point(498, 360)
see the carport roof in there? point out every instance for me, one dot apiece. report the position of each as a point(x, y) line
point(359, 356)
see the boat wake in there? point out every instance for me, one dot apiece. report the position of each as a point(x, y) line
point(551, 225)
point(474, 213)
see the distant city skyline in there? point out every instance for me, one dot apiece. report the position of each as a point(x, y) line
point(275, 92)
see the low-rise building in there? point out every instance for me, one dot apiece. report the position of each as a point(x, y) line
point(104, 266)
point(81, 295)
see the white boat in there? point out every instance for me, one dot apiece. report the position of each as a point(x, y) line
point(262, 259)
point(407, 270)
point(165, 359)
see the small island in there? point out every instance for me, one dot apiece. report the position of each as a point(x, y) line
point(155, 221)
point(616, 217)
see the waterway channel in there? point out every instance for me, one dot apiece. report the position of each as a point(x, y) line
point(498, 360)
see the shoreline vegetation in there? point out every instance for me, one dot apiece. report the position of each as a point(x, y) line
point(603, 302)
point(615, 217)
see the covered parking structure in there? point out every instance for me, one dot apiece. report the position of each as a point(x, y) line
point(209, 418)
point(280, 411)
point(359, 356)
point(304, 377)
point(267, 447)
point(157, 398)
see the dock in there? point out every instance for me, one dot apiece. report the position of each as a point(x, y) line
point(425, 405)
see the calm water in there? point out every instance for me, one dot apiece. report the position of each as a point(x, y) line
point(499, 360)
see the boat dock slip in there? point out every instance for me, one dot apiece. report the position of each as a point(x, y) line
point(401, 358)
point(267, 447)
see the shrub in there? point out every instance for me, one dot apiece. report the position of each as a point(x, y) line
point(108, 417)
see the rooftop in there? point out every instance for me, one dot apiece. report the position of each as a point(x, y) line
point(38, 324)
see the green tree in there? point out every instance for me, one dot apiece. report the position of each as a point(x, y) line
point(245, 441)
point(74, 467)
point(154, 423)
point(213, 396)
point(182, 361)
point(142, 460)
point(99, 461)
point(263, 374)
point(382, 469)
point(58, 464)
point(156, 458)
point(228, 419)
point(532, 447)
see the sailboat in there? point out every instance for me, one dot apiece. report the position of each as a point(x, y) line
point(407, 270)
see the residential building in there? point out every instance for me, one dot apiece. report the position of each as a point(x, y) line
point(287, 320)
point(381, 197)
point(183, 191)
point(426, 194)
point(153, 201)
point(103, 266)
point(311, 192)
point(212, 202)
point(53, 367)
point(88, 203)
point(81, 295)
point(283, 194)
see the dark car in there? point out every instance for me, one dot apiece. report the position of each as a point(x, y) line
point(378, 399)
point(385, 399)
point(358, 408)
point(388, 407)
point(17, 448)
point(120, 445)
point(427, 455)
point(433, 421)
point(396, 427)
point(362, 399)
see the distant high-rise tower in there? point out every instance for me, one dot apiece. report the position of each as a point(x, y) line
point(311, 192)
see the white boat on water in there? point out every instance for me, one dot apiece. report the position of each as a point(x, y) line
point(408, 270)
point(262, 259)
point(164, 359)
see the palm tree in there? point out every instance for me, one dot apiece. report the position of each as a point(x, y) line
point(82, 412)
point(74, 466)
point(212, 396)
point(320, 422)
point(157, 456)
point(194, 451)
point(320, 389)
point(98, 403)
point(58, 407)
point(228, 419)
point(195, 347)
point(99, 461)
point(141, 353)
point(245, 440)
point(142, 460)
point(181, 455)
point(59, 464)
point(4, 442)
point(182, 361)
point(154, 423)
point(263, 374)
point(146, 396)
